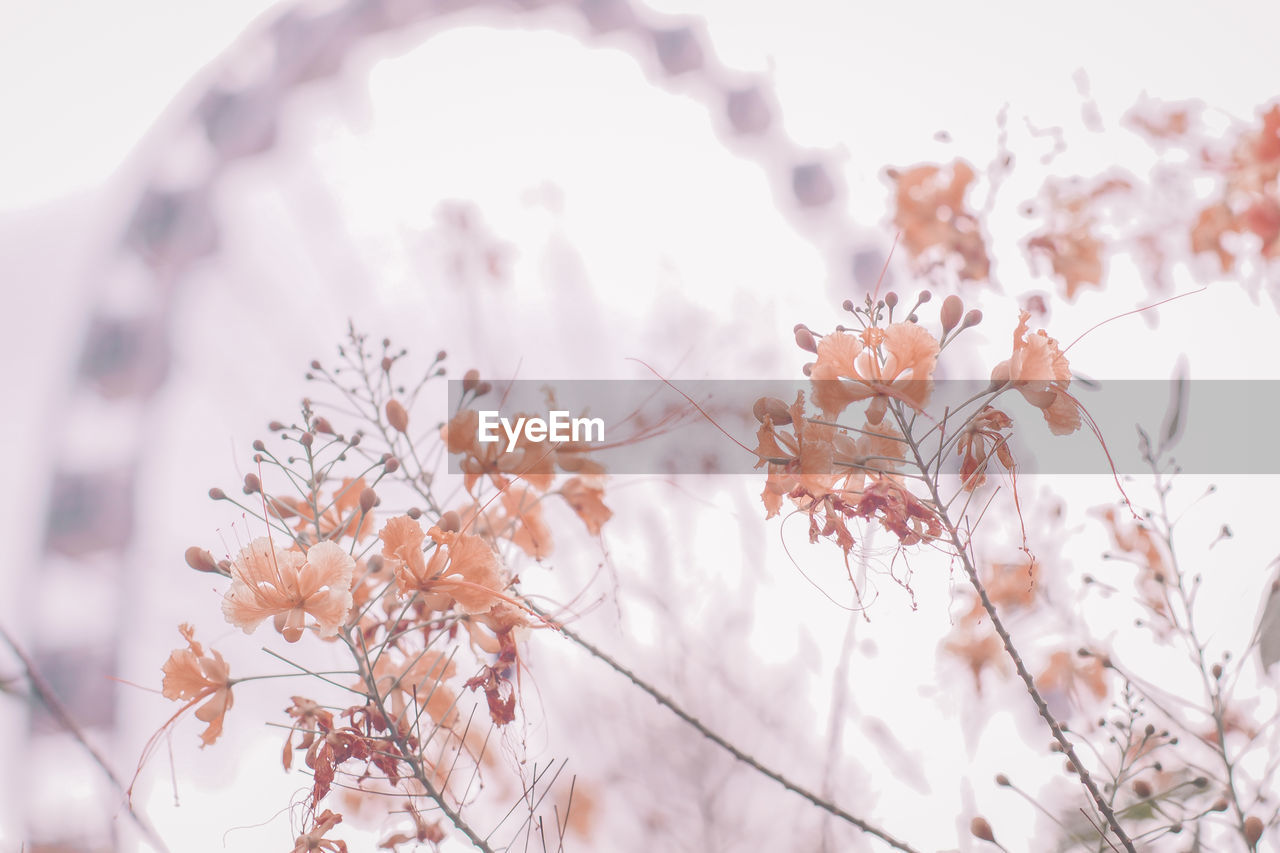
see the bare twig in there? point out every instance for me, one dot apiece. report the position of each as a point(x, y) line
point(46, 695)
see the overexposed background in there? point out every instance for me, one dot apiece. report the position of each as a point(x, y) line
point(628, 229)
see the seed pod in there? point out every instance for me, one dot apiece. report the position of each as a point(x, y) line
point(981, 829)
point(952, 310)
point(201, 560)
point(368, 500)
point(397, 416)
point(774, 408)
point(1252, 829)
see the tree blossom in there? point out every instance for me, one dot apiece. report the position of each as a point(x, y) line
point(1040, 372)
point(270, 581)
point(192, 675)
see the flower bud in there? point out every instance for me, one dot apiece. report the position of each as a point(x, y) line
point(1252, 829)
point(414, 513)
point(981, 829)
point(322, 426)
point(201, 560)
point(805, 339)
point(973, 318)
point(952, 309)
point(387, 361)
point(368, 500)
point(397, 416)
point(450, 521)
point(774, 408)
point(891, 299)
point(252, 484)
point(390, 464)
point(470, 380)
point(217, 494)
point(307, 439)
point(1142, 788)
point(483, 388)
point(1003, 780)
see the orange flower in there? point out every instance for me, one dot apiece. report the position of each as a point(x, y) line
point(315, 839)
point(897, 361)
point(588, 502)
point(1040, 372)
point(980, 649)
point(463, 570)
point(533, 462)
point(983, 435)
point(191, 675)
point(1067, 673)
point(900, 512)
point(516, 516)
point(268, 581)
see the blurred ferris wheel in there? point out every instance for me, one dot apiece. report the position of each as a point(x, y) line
point(262, 215)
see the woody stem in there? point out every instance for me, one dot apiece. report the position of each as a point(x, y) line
point(702, 729)
point(1055, 727)
point(410, 757)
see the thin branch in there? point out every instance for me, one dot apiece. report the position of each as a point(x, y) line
point(64, 718)
point(701, 728)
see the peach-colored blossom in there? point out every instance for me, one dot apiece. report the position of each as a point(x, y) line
point(1039, 371)
point(192, 675)
point(897, 361)
point(270, 581)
